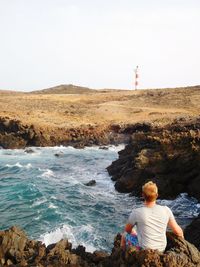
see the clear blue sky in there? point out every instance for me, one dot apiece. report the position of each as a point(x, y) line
point(98, 43)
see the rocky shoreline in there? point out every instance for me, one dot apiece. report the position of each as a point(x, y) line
point(17, 250)
point(14, 134)
point(169, 155)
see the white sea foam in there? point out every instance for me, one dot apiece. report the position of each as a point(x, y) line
point(37, 218)
point(39, 201)
point(73, 234)
point(53, 197)
point(109, 147)
point(27, 166)
point(116, 148)
point(52, 206)
point(58, 234)
point(48, 173)
point(80, 239)
point(14, 165)
point(57, 147)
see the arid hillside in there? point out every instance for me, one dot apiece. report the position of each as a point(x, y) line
point(61, 111)
point(65, 89)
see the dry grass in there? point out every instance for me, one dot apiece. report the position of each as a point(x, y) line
point(53, 111)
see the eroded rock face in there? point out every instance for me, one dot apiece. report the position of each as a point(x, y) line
point(13, 134)
point(17, 250)
point(170, 156)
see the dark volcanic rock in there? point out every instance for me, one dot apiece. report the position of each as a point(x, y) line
point(179, 253)
point(17, 250)
point(131, 128)
point(29, 151)
point(59, 154)
point(91, 183)
point(192, 232)
point(170, 156)
point(13, 134)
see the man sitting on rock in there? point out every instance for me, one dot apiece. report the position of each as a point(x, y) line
point(151, 221)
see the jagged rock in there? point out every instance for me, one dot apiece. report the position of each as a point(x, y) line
point(13, 134)
point(91, 183)
point(17, 250)
point(60, 252)
point(12, 246)
point(170, 156)
point(179, 253)
point(29, 150)
point(79, 145)
point(192, 232)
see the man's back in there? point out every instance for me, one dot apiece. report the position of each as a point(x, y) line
point(151, 225)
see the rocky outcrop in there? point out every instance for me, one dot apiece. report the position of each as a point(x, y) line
point(178, 253)
point(17, 250)
point(14, 134)
point(192, 232)
point(168, 155)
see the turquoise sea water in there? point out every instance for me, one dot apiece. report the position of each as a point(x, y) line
point(46, 196)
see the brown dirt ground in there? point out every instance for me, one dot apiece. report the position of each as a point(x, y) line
point(61, 111)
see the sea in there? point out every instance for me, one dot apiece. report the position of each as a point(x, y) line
point(43, 191)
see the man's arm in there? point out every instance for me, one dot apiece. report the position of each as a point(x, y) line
point(127, 229)
point(175, 228)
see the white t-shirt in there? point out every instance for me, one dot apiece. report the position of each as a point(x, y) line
point(151, 225)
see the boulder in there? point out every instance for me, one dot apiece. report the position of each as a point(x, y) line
point(29, 150)
point(91, 183)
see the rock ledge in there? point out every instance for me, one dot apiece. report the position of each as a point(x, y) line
point(17, 250)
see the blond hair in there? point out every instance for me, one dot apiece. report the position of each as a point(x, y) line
point(150, 191)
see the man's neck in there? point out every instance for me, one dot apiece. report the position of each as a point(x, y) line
point(150, 204)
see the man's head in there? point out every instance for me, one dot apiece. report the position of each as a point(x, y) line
point(150, 191)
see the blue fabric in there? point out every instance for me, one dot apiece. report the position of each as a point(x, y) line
point(132, 240)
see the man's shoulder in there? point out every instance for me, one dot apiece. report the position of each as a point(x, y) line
point(140, 209)
point(162, 207)
point(136, 211)
point(157, 206)
point(165, 210)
